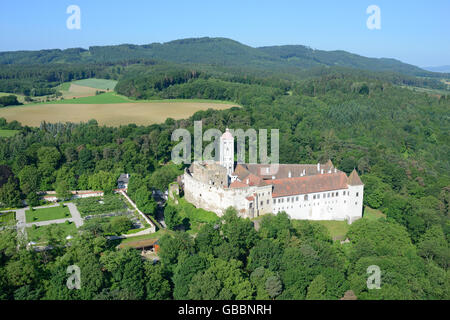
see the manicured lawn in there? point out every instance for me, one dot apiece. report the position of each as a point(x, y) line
point(7, 218)
point(373, 214)
point(56, 231)
point(47, 214)
point(7, 133)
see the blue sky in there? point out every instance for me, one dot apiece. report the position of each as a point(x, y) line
point(416, 32)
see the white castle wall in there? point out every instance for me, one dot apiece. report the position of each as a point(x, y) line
point(331, 205)
point(214, 198)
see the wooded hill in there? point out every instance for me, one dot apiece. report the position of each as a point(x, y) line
point(217, 51)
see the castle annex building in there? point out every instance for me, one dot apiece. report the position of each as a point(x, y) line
point(303, 191)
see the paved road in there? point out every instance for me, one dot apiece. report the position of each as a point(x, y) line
point(21, 223)
point(76, 216)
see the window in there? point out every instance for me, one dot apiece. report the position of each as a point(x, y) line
point(287, 199)
point(250, 205)
point(274, 201)
point(314, 197)
point(332, 194)
point(267, 201)
point(296, 198)
point(306, 197)
point(357, 194)
point(337, 194)
point(318, 196)
point(262, 203)
point(328, 195)
point(344, 193)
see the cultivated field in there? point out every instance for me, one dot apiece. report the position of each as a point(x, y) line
point(111, 114)
point(85, 88)
point(77, 91)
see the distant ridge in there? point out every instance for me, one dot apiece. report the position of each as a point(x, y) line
point(445, 69)
point(217, 52)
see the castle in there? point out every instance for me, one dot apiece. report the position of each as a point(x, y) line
point(303, 191)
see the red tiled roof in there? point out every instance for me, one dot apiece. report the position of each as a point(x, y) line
point(250, 198)
point(237, 184)
point(240, 171)
point(309, 184)
point(282, 170)
point(254, 180)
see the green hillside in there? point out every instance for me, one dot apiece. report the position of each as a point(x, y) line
point(217, 51)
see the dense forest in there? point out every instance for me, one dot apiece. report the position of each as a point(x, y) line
point(397, 139)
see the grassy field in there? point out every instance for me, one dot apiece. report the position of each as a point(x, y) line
point(337, 229)
point(197, 217)
point(60, 231)
point(155, 235)
point(373, 214)
point(107, 111)
point(47, 214)
point(101, 84)
point(104, 98)
point(8, 133)
point(7, 218)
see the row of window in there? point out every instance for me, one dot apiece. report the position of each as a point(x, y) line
point(316, 196)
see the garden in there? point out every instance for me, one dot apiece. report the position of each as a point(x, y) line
point(100, 205)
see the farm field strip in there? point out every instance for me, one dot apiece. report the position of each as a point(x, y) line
point(111, 114)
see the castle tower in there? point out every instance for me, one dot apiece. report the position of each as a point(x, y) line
point(227, 151)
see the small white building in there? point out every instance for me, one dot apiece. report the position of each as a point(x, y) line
point(122, 182)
